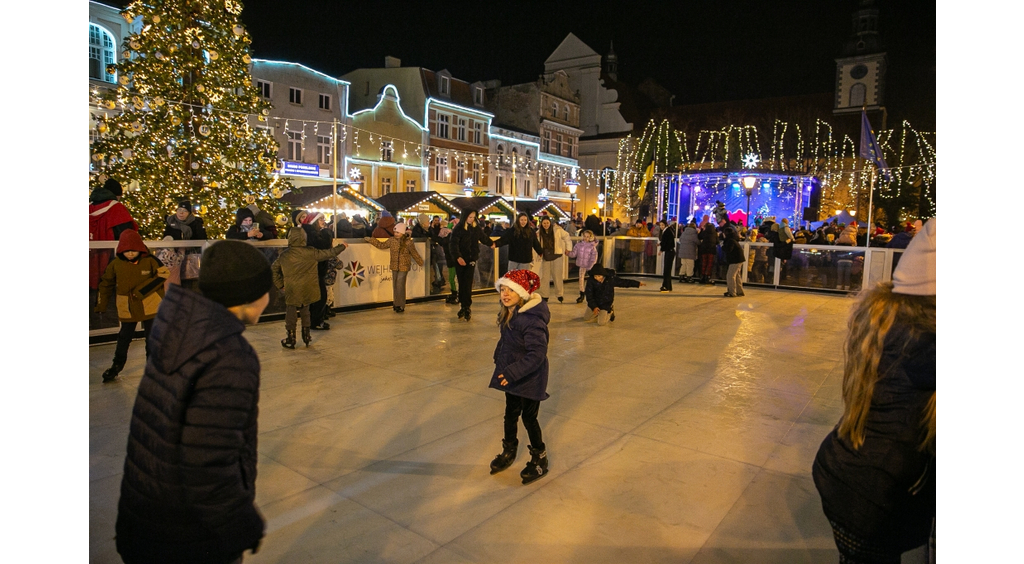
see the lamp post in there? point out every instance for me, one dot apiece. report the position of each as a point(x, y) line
point(748, 184)
point(600, 206)
point(572, 185)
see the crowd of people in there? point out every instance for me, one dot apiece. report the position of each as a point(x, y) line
point(188, 489)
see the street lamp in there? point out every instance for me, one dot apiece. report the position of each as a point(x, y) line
point(600, 206)
point(572, 185)
point(748, 184)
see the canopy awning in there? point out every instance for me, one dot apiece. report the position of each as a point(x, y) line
point(397, 202)
point(481, 203)
point(322, 196)
point(533, 208)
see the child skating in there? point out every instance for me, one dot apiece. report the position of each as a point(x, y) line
point(601, 294)
point(403, 252)
point(521, 368)
point(138, 280)
point(295, 273)
point(585, 253)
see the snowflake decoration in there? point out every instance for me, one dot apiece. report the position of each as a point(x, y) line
point(354, 274)
point(751, 160)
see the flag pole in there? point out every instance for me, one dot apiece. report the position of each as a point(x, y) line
point(871, 207)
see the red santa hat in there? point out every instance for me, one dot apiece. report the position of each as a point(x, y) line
point(311, 218)
point(523, 282)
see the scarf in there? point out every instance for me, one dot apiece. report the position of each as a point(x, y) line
point(183, 226)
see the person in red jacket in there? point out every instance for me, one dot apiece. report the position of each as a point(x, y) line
point(107, 219)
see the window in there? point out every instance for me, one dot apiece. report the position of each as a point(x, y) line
point(264, 88)
point(501, 184)
point(527, 194)
point(501, 156)
point(294, 145)
point(410, 185)
point(445, 85)
point(325, 102)
point(386, 152)
point(460, 171)
point(323, 149)
point(476, 174)
point(554, 109)
point(558, 145)
point(441, 169)
point(295, 95)
point(385, 186)
point(857, 94)
point(460, 132)
point(478, 96)
point(442, 125)
point(572, 147)
point(101, 53)
point(545, 146)
point(478, 133)
point(566, 113)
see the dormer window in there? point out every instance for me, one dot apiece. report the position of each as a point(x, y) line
point(446, 86)
point(478, 96)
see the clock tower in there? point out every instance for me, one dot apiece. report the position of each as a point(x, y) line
point(860, 72)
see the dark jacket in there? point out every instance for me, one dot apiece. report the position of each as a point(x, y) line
point(668, 238)
point(602, 294)
point(189, 484)
point(868, 490)
point(594, 224)
point(520, 248)
point(732, 248)
point(196, 226)
point(900, 240)
point(464, 241)
point(344, 229)
point(295, 270)
point(708, 240)
point(235, 231)
point(521, 354)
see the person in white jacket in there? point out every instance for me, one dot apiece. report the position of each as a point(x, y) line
point(555, 243)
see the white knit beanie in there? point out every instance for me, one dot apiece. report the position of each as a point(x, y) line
point(915, 274)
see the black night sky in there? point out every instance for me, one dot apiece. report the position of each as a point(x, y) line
point(700, 50)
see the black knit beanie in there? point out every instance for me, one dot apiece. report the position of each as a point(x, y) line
point(114, 187)
point(234, 273)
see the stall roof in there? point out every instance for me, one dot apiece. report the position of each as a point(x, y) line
point(480, 203)
point(534, 207)
point(401, 201)
point(310, 194)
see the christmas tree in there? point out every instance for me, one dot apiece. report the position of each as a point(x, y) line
point(184, 120)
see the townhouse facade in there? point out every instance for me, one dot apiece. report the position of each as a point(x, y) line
point(107, 30)
point(386, 153)
point(456, 152)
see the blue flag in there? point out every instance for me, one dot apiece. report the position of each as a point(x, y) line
point(869, 148)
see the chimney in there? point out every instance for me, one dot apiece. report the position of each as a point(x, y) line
point(392, 62)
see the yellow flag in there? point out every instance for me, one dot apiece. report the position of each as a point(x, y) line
point(648, 176)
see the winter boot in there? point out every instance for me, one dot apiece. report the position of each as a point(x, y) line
point(536, 467)
point(579, 300)
point(462, 312)
point(559, 299)
point(506, 457)
point(111, 373)
point(468, 313)
point(306, 337)
point(289, 341)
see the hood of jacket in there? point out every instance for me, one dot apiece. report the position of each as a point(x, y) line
point(187, 323)
point(101, 195)
point(296, 237)
point(243, 213)
point(130, 241)
point(536, 306)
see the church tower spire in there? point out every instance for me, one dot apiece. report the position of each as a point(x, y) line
point(860, 71)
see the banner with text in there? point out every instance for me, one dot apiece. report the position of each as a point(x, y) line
point(364, 276)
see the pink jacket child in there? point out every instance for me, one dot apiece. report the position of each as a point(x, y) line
point(585, 253)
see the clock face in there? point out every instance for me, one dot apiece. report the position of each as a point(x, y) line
point(859, 71)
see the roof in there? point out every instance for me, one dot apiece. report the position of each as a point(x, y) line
point(302, 197)
point(480, 203)
point(533, 207)
point(401, 201)
point(570, 48)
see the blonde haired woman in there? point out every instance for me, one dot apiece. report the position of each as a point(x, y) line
point(876, 471)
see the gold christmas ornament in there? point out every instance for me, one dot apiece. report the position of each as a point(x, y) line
point(127, 16)
point(195, 44)
point(246, 59)
point(175, 120)
point(136, 126)
point(126, 54)
point(213, 55)
point(172, 48)
point(159, 55)
point(266, 111)
point(213, 184)
point(135, 44)
point(134, 186)
point(123, 80)
point(204, 130)
point(239, 133)
point(101, 127)
point(238, 30)
point(127, 153)
point(112, 69)
point(250, 199)
point(158, 101)
point(276, 193)
point(137, 102)
point(195, 166)
point(97, 157)
point(156, 19)
point(281, 219)
point(110, 104)
point(261, 118)
point(200, 87)
point(202, 210)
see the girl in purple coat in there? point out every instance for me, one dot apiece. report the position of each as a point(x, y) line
point(521, 368)
point(585, 253)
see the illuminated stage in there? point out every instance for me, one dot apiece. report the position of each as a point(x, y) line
point(693, 194)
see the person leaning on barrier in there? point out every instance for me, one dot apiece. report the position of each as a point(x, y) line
point(183, 225)
point(246, 228)
point(189, 484)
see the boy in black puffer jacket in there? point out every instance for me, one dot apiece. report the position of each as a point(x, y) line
point(189, 483)
point(601, 294)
